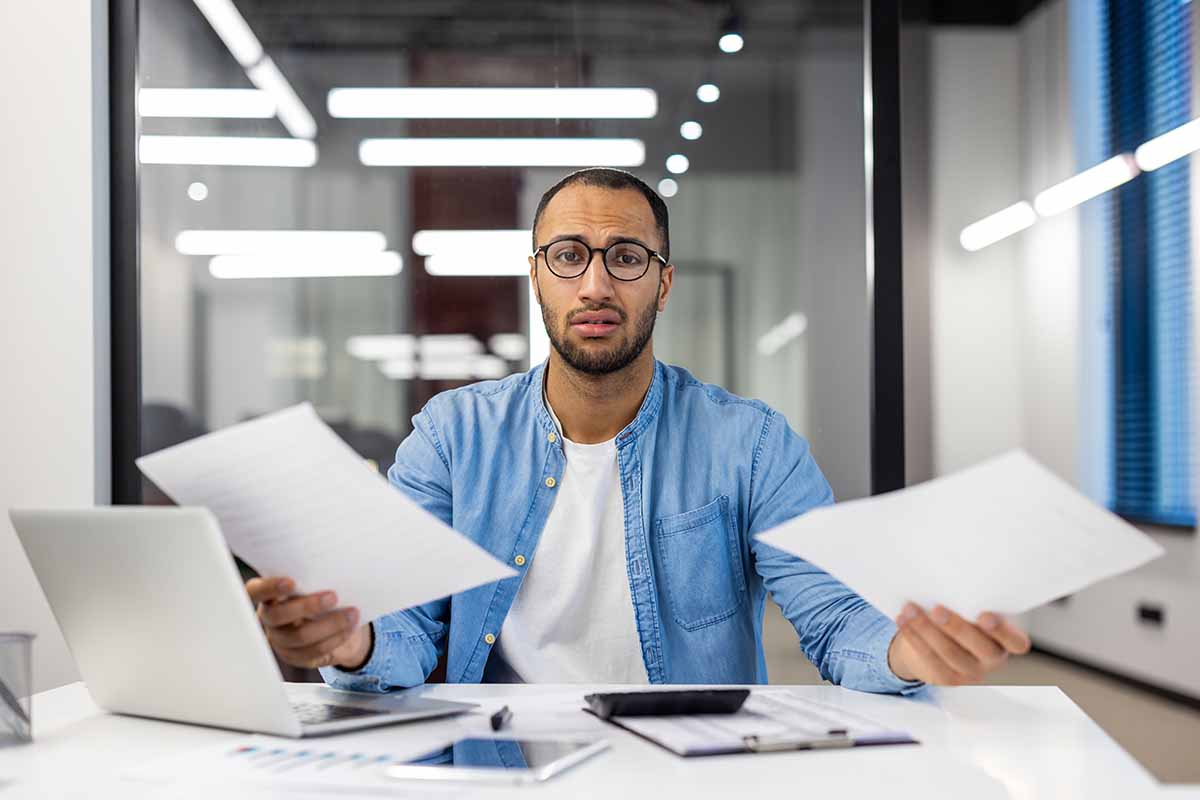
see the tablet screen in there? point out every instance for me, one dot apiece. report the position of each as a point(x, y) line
point(512, 754)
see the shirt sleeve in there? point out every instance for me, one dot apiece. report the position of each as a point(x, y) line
point(843, 635)
point(408, 643)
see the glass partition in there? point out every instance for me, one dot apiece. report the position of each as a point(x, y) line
point(306, 179)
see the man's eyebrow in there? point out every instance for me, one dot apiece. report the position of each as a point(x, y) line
point(608, 242)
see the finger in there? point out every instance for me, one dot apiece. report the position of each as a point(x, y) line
point(932, 668)
point(263, 589)
point(310, 632)
point(304, 607)
point(319, 654)
point(947, 649)
point(1007, 635)
point(986, 649)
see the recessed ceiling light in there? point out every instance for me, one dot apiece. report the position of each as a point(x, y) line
point(730, 43)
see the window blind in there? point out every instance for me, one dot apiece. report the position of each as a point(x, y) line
point(1148, 92)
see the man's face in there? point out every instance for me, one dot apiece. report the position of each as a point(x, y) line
point(597, 323)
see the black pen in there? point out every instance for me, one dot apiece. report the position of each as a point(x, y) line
point(500, 718)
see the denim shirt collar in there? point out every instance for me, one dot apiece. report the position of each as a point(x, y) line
point(645, 416)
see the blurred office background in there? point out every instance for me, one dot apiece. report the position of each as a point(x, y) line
point(1071, 337)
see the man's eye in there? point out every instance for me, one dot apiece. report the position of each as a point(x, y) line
point(568, 257)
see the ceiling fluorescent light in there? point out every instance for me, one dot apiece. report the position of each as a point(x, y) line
point(475, 253)
point(399, 369)
point(791, 327)
point(216, 243)
point(438, 242)
point(1172, 145)
point(449, 345)
point(382, 347)
point(232, 151)
point(512, 346)
point(1082, 187)
point(462, 368)
point(489, 367)
point(231, 26)
point(206, 103)
point(297, 265)
point(429, 152)
point(993, 228)
point(479, 103)
point(487, 265)
point(291, 109)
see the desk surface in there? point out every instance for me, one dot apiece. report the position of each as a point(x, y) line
point(977, 742)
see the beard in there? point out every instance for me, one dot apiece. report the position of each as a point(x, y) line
point(620, 355)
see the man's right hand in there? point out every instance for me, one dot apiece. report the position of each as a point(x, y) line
point(309, 630)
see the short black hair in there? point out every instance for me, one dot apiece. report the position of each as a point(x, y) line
point(609, 178)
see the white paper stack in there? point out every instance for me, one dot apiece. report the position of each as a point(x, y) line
point(293, 499)
point(1006, 535)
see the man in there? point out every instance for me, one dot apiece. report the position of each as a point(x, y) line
point(627, 495)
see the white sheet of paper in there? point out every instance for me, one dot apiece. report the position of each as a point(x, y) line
point(1006, 535)
point(294, 499)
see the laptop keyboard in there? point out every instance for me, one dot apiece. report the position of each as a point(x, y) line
point(317, 713)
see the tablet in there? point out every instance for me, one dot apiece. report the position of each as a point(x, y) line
point(479, 760)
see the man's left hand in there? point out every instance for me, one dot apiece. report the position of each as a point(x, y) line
point(940, 647)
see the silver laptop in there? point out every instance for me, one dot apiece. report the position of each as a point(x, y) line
point(160, 625)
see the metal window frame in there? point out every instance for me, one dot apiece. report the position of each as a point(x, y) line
point(881, 53)
point(124, 290)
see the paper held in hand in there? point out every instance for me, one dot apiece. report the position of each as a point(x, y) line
point(293, 499)
point(1006, 535)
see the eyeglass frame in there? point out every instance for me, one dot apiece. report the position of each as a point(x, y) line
point(603, 251)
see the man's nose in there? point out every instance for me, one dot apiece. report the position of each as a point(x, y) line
point(595, 284)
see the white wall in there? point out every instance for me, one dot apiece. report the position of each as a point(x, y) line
point(53, 326)
point(974, 311)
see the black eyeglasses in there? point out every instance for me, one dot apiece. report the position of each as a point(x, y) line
point(625, 261)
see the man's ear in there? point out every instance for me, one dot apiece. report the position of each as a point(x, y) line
point(665, 279)
point(537, 290)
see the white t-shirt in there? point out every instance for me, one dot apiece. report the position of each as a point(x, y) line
point(572, 620)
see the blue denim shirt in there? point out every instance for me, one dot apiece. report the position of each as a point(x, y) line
point(702, 472)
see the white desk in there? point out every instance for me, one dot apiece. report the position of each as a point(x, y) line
point(977, 743)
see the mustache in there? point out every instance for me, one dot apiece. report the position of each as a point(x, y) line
point(598, 307)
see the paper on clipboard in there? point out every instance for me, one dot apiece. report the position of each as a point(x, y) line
point(773, 719)
point(1006, 535)
point(293, 499)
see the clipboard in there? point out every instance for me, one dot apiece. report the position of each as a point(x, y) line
point(770, 722)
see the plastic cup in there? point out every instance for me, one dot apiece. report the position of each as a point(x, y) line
point(16, 684)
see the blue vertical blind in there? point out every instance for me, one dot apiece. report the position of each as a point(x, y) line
point(1148, 82)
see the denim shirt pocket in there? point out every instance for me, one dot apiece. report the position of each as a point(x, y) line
point(701, 564)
